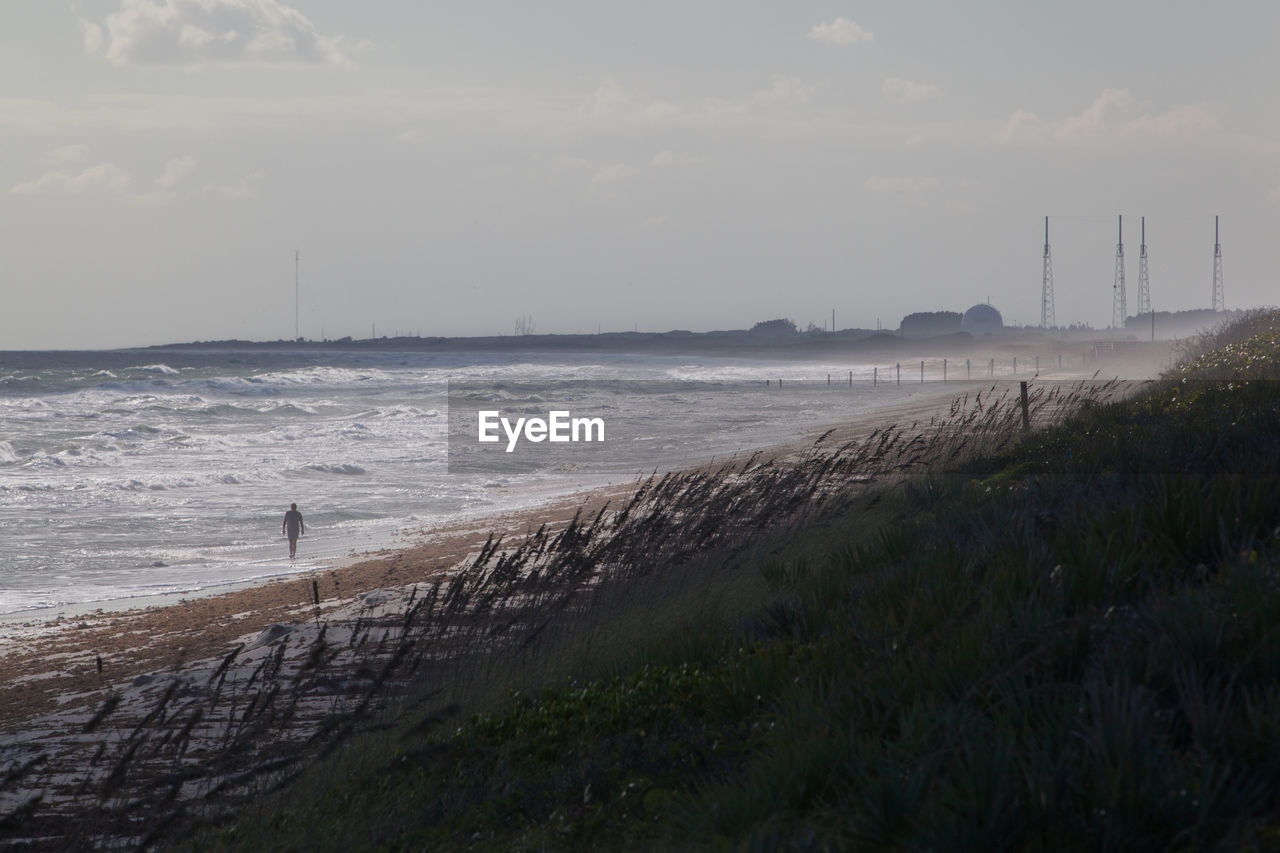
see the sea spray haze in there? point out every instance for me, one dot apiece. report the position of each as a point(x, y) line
point(131, 473)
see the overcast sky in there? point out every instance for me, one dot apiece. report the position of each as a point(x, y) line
point(447, 167)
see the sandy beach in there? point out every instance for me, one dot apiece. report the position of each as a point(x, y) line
point(49, 665)
point(187, 684)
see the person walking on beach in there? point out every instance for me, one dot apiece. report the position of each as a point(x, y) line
point(293, 528)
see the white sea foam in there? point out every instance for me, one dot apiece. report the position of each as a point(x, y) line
point(121, 477)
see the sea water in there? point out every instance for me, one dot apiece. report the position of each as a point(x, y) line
point(126, 474)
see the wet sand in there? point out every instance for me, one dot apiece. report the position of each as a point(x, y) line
point(48, 666)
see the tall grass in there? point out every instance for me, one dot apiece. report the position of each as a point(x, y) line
point(909, 638)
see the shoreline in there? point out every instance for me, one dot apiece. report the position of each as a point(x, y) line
point(51, 661)
point(214, 697)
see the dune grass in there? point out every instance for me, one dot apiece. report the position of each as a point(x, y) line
point(1069, 640)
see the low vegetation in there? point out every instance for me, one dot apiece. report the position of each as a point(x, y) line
point(1068, 640)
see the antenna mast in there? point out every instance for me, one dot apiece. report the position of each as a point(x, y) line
point(1219, 303)
point(296, 333)
point(1118, 309)
point(1046, 284)
point(1144, 279)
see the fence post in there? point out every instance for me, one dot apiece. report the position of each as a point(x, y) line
point(922, 371)
point(968, 374)
point(875, 377)
point(899, 367)
point(1026, 412)
point(944, 371)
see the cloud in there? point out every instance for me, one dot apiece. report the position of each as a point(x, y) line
point(65, 155)
point(612, 173)
point(1274, 196)
point(785, 90)
point(674, 158)
point(879, 184)
point(1112, 120)
point(107, 178)
point(175, 170)
point(193, 33)
point(841, 31)
point(241, 189)
point(899, 91)
point(611, 101)
point(92, 34)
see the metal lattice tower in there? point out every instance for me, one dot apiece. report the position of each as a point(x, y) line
point(1219, 303)
point(1046, 286)
point(1144, 279)
point(1118, 308)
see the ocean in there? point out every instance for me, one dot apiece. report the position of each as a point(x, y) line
point(128, 474)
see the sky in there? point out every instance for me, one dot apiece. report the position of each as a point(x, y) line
point(460, 168)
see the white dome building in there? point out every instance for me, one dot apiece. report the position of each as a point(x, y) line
point(981, 319)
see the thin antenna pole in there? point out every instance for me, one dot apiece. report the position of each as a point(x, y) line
point(1219, 303)
point(296, 333)
point(1046, 284)
point(1144, 277)
point(1118, 306)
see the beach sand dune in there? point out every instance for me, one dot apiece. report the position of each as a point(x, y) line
point(148, 716)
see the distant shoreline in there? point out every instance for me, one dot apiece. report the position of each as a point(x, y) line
point(853, 342)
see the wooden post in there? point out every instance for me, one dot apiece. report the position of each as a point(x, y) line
point(1026, 412)
point(899, 367)
point(944, 371)
point(921, 371)
point(875, 377)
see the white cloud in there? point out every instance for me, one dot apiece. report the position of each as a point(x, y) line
point(66, 154)
point(241, 189)
point(785, 90)
point(92, 34)
point(879, 184)
point(899, 91)
point(611, 173)
point(841, 31)
point(574, 163)
point(611, 101)
point(674, 158)
point(191, 33)
point(608, 99)
point(175, 170)
point(1112, 120)
point(106, 178)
